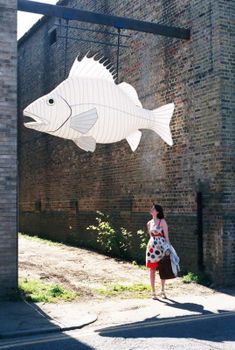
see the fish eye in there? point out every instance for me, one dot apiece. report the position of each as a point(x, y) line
point(51, 101)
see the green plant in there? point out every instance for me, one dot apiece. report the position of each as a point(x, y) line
point(112, 240)
point(118, 241)
point(37, 291)
point(106, 234)
point(125, 242)
point(199, 278)
point(134, 290)
point(144, 238)
point(190, 277)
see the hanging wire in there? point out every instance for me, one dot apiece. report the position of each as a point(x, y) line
point(95, 41)
point(118, 49)
point(66, 47)
point(91, 30)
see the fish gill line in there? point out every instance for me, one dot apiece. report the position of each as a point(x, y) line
point(70, 107)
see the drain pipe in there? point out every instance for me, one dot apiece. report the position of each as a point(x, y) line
point(200, 231)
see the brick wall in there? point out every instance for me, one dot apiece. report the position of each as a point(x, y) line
point(227, 75)
point(62, 186)
point(8, 147)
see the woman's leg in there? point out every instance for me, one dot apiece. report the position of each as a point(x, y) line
point(152, 280)
point(163, 294)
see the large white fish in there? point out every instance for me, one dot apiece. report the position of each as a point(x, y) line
point(89, 108)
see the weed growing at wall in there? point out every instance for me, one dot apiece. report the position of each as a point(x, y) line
point(199, 278)
point(106, 234)
point(118, 241)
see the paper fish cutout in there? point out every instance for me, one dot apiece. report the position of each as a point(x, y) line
point(89, 108)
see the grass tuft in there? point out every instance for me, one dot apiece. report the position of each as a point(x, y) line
point(40, 240)
point(191, 277)
point(37, 291)
point(125, 291)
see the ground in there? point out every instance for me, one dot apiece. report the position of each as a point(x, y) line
point(127, 295)
point(87, 272)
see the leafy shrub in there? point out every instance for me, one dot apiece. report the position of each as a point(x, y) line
point(117, 241)
point(192, 277)
point(106, 234)
point(143, 239)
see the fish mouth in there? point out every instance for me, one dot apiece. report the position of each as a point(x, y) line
point(32, 119)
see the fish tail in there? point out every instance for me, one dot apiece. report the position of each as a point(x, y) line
point(160, 122)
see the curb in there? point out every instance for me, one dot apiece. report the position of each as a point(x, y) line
point(54, 329)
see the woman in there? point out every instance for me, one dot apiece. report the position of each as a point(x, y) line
point(158, 245)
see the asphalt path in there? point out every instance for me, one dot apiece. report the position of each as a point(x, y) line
point(194, 332)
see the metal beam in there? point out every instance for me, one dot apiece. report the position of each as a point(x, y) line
point(98, 18)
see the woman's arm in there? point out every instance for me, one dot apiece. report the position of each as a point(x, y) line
point(148, 228)
point(165, 229)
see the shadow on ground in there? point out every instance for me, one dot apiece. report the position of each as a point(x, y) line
point(20, 319)
point(227, 290)
point(202, 324)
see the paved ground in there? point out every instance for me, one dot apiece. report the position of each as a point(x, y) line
point(18, 318)
point(186, 322)
point(96, 312)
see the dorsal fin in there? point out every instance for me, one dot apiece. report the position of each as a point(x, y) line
point(88, 67)
point(131, 92)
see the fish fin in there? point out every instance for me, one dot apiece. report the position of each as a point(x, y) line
point(161, 122)
point(83, 122)
point(134, 139)
point(88, 143)
point(88, 67)
point(131, 92)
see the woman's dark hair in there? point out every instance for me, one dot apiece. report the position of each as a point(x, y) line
point(159, 209)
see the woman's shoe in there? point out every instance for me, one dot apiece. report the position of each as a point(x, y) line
point(154, 296)
point(163, 294)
